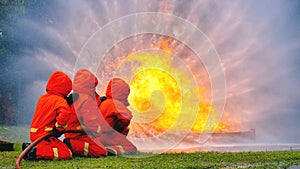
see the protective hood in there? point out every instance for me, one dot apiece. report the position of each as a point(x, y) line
point(59, 83)
point(85, 82)
point(118, 89)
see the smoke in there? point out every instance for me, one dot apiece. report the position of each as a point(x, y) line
point(257, 41)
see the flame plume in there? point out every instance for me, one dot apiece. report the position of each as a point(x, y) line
point(164, 95)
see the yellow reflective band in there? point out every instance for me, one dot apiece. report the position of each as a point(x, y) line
point(80, 127)
point(48, 128)
point(33, 130)
point(86, 148)
point(55, 151)
point(63, 126)
point(99, 129)
point(121, 149)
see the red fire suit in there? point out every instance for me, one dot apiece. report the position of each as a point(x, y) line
point(52, 111)
point(118, 117)
point(85, 117)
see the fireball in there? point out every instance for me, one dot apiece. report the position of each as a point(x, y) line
point(165, 97)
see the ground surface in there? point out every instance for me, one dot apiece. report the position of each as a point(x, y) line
point(14, 134)
point(278, 159)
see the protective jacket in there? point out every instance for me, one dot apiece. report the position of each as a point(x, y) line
point(114, 110)
point(52, 111)
point(85, 117)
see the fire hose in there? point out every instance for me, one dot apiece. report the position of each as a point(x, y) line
point(22, 155)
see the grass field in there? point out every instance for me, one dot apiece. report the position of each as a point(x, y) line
point(278, 159)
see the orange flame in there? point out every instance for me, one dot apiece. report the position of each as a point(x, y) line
point(163, 44)
point(163, 97)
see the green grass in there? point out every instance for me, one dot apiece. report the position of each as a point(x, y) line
point(278, 159)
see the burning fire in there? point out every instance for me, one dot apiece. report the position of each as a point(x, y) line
point(165, 98)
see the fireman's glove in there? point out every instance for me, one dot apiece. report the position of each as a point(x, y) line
point(72, 98)
point(103, 98)
point(57, 132)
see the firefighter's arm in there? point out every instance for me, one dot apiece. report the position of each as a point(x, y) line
point(91, 117)
point(123, 117)
point(62, 115)
point(121, 124)
point(122, 112)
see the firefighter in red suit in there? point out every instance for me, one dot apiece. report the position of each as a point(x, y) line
point(51, 115)
point(114, 110)
point(85, 117)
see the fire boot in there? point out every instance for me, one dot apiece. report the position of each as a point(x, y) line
point(24, 146)
point(111, 152)
point(31, 155)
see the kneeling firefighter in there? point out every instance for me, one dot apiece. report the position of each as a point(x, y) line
point(51, 115)
point(114, 110)
point(85, 117)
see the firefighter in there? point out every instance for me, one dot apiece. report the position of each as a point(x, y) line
point(85, 117)
point(114, 110)
point(51, 115)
